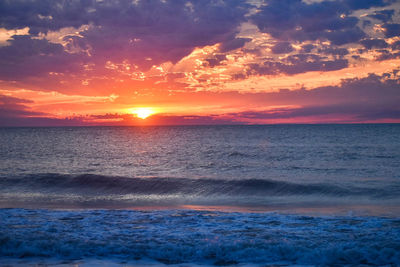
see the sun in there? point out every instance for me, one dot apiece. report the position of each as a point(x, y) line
point(142, 113)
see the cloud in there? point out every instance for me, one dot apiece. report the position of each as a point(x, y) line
point(391, 29)
point(374, 98)
point(9, 101)
point(296, 20)
point(144, 32)
point(15, 112)
point(395, 45)
point(31, 57)
point(382, 15)
point(298, 63)
point(333, 51)
point(43, 15)
point(350, 113)
point(282, 48)
point(356, 4)
point(307, 48)
point(374, 43)
point(215, 60)
point(12, 108)
point(233, 44)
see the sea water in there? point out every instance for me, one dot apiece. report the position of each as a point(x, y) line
point(278, 194)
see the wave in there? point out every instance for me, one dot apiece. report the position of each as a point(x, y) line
point(99, 184)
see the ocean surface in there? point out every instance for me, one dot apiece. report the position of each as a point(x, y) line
point(204, 195)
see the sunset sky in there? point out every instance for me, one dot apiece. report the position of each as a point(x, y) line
point(171, 62)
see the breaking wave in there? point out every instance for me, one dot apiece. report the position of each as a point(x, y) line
point(198, 237)
point(91, 184)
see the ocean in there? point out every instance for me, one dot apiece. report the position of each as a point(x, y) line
point(201, 195)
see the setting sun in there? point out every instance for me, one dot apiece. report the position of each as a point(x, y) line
point(142, 113)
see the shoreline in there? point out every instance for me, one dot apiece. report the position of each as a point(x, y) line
point(366, 210)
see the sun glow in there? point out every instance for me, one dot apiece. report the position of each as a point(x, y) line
point(142, 113)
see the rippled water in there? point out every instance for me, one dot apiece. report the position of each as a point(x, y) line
point(206, 165)
point(206, 195)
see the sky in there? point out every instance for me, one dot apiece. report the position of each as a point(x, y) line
point(181, 62)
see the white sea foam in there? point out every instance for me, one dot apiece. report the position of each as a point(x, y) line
point(197, 237)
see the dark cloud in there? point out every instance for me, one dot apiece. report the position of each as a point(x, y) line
point(215, 60)
point(366, 23)
point(385, 54)
point(395, 45)
point(344, 36)
point(357, 4)
point(282, 48)
point(391, 29)
point(144, 32)
point(307, 48)
point(31, 57)
point(295, 20)
point(333, 51)
point(382, 15)
point(12, 108)
point(44, 15)
point(14, 112)
point(357, 113)
point(160, 36)
point(374, 43)
point(42, 122)
point(233, 44)
point(298, 63)
point(193, 120)
point(370, 98)
point(9, 101)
